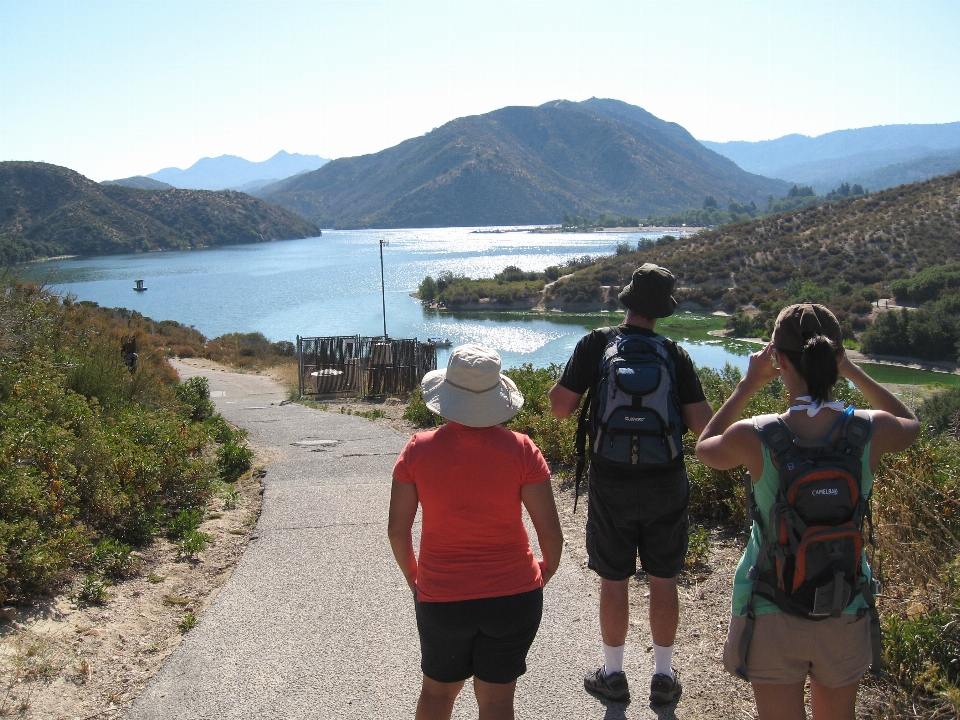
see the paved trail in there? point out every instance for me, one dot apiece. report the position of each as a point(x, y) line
point(316, 620)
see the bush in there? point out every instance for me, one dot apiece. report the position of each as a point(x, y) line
point(186, 521)
point(93, 457)
point(941, 412)
point(195, 392)
point(419, 414)
point(233, 460)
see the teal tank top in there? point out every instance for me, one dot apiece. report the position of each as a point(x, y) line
point(765, 494)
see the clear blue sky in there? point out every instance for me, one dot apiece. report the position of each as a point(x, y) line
point(124, 87)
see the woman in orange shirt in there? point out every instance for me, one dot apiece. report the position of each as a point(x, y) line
point(478, 590)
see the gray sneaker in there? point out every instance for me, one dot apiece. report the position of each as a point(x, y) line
point(665, 689)
point(612, 687)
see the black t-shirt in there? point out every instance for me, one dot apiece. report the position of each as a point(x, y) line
point(583, 372)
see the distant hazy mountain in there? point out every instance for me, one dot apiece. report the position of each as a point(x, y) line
point(523, 165)
point(841, 156)
point(51, 210)
point(230, 171)
point(944, 162)
point(140, 182)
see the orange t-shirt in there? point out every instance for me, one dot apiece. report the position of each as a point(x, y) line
point(473, 543)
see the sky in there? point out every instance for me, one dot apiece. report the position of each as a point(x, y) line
point(115, 88)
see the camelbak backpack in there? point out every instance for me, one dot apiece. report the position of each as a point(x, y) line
point(632, 416)
point(810, 559)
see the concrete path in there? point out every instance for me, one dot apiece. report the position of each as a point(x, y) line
point(316, 620)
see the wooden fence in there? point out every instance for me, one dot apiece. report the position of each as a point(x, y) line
point(355, 365)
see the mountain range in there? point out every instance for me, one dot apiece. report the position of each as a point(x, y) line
point(523, 165)
point(876, 157)
point(46, 210)
point(235, 173)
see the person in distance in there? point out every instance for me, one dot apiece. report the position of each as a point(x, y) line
point(477, 587)
point(803, 597)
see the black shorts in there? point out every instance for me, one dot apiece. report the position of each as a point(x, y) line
point(637, 516)
point(487, 638)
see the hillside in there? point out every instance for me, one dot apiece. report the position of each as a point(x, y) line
point(827, 160)
point(140, 182)
point(942, 162)
point(523, 165)
point(841, 252)
point(232, 172)
point(50, 210)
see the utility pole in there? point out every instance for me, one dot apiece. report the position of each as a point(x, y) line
point(383, 293)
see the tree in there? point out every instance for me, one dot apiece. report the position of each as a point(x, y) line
point(710, 203)
point(428, 289)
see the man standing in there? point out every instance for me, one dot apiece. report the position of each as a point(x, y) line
point(636, 506)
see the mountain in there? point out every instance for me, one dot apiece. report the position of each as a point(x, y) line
point(523, 165)
point(230, 171)
point(49, 210)
point(841, 156)
point(824, 253)
point(140, 182)
point(943, 162)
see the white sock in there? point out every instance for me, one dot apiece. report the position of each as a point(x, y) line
point(612, 659)
point(662, 659)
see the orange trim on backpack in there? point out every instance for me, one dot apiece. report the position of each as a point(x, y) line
point(820, 534)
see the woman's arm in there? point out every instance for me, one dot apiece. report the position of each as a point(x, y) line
point(895, 426)
point(403, 509)
point(727, 443)
point(538, 500)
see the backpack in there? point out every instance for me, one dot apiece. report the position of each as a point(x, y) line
point(632, 414)
point(810, 559)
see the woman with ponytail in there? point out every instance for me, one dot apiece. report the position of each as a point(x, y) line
point(777, 650)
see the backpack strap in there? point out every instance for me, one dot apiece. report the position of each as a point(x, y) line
point(580, 443)
point(855, 433)
point(584, 424)
point(776, 436)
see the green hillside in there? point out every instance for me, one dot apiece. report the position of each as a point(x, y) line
point(845, 253)
point(46, 210)
point(523, 165)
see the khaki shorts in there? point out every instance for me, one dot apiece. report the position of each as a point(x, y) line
point(785, 649)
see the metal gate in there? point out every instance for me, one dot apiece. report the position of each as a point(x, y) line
point(355, 365)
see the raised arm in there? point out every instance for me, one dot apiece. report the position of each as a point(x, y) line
point(403, 510)
point(727, 441)
point(538, 500)
point(895, 426)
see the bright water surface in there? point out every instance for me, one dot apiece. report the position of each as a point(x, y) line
point(330, 285)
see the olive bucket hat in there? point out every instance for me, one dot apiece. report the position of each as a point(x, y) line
point(471, 390)
point(650, 292)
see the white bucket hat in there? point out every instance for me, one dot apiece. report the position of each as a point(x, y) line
point(471, 391)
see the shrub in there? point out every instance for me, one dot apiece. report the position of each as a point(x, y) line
point(186, 521)
point(419, 414)
point(233, 460)
point(941, 412)
point(192, 543)
point(195, 392)
point(93, 589)
point(115, 559)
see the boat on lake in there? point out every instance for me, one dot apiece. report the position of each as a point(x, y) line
point(439, 341)
point(139, 286)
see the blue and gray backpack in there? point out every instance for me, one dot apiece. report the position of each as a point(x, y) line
point(632, 415)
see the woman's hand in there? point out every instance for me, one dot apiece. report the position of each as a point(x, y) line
point(545, 572)
point(762, 368)
point(845, 368)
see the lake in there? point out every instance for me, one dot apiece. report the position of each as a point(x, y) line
point(330, 285)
